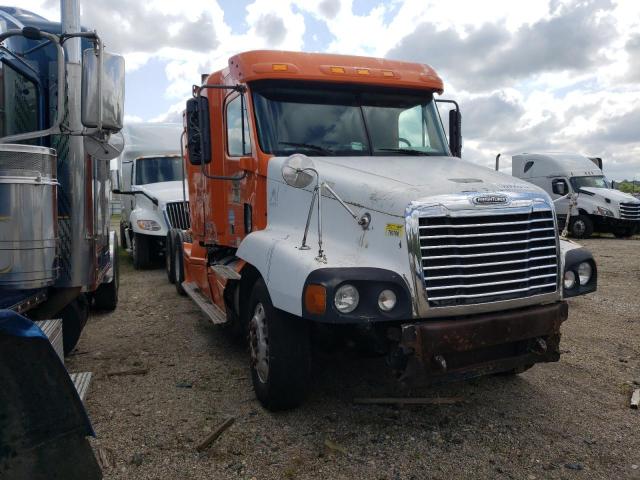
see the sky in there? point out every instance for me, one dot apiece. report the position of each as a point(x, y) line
point(530, 76)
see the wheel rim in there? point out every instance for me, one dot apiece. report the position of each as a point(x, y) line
point(579, 227)
point(259, 343)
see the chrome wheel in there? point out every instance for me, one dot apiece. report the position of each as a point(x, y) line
point(579, 228)
point(259, 343)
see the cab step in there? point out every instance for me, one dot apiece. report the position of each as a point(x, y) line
point(53, 330)
point(81, 381)
point(215, 314)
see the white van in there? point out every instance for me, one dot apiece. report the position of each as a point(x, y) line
point(597, 206)
point(154, 198)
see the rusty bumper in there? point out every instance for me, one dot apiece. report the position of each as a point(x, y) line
point(479, 345)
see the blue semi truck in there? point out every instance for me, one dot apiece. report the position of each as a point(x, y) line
point(61, 108)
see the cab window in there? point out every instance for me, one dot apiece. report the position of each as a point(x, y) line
point(18, 102)
point(237, 144)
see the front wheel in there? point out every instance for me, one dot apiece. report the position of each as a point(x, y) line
point(178, 261)
point(581, 226)
point(106, 295)
point(141, 250)
point(74, 318)
point(280, 353)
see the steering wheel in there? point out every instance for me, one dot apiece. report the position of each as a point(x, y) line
point(400, 139)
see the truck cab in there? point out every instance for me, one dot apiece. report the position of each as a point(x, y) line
point(581, 193)
point(153, 194)
point(327, 199)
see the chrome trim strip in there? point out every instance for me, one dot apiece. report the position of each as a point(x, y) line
point(478, 295)
point(490, 264)
point(491, 254)
point(487, 274)
point(471, 225)
point(493, 244)
point(491, 234)
point(502, 282)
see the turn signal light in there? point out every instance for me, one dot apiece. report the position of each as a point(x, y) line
point(315, 299)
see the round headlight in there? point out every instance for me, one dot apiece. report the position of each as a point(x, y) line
point(569, 279)
point(584, 273)
point(346, 298)
point(387, 300)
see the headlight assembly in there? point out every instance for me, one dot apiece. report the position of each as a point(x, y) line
point(584, 273)
point(604, 212)
point(149, 225)
point(346, 298)
point(569, 279)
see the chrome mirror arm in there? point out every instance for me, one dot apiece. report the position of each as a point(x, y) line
point(363, 220)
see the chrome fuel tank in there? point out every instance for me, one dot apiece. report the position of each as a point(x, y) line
point(28, 216)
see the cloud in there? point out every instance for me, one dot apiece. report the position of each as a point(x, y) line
point(633, 49)
point(489, 56)
point(329, 8)
point(271, 27)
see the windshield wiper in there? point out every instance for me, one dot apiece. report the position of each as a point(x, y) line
point(404, 151)
point(310, 146)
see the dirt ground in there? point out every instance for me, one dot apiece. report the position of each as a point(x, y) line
point(567, 420)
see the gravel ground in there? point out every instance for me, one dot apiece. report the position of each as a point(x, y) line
point(569, 419)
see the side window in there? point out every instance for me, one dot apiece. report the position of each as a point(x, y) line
point(412, 128)
point(18, 102)
point(235, 145)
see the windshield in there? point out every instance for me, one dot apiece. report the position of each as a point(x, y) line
point(158, 169)
point(346, 120)
point(591, 181)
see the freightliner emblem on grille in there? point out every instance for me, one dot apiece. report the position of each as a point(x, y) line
point(493, 199)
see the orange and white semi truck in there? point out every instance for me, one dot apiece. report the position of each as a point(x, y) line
point(325, 197)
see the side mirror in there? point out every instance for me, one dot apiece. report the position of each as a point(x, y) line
point(102, 98)
point(298, 170)
point(455, 132)
point(613, 185)
point(559, 187)
point(198, 130)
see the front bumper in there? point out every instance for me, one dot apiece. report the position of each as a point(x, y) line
point(462, 348)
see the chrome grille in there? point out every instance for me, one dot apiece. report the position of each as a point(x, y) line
point(178, 215)
point(488, 258)
point(630, 211)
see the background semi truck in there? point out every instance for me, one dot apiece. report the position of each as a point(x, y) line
point(152, 189)
point(61, 106)
point(593, 204)
point(326, 202)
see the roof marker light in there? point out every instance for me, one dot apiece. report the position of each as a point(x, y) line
point(387, 73)
point(363, 71)
point(280, 67)
point(336, 69)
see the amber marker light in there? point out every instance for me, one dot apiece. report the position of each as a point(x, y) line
point(336, 69)
point(280, 67)
point(315, 299)
point(387, 73)
point(362, 71)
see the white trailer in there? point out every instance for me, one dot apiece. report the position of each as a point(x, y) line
point(581, 191)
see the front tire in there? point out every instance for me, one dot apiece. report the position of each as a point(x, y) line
point(169, 263)
point(178, 261)
point(280, 353)
point(141, 250)
point(106, 295)
point(581, 227)
point(74, 318)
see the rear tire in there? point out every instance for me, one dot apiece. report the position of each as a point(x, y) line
point(74, 318)
point(581, 226)
point(280, 353)
point(178, 261)
point(141, 250)
point(106, 295)
point(123, 236)
point(169, 263)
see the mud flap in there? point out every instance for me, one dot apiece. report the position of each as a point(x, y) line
point(43, 424)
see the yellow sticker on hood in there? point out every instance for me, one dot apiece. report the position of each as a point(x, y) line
point(393, 229)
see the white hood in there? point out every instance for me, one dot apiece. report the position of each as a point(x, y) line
point(165, 192)
point(390, 184)
point(613, 195)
